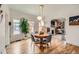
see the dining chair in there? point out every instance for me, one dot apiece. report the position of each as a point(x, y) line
point(34, 32)
point(47, 40)
point(35, 41)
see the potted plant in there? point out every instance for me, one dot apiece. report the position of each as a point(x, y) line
point(24, 26)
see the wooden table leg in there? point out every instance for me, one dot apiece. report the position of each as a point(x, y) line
point(41, 45)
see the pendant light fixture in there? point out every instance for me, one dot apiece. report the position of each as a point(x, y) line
point(40, 17)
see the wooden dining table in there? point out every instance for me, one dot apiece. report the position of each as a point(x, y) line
point(41, 36)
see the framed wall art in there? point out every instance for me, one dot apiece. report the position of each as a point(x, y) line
point(74, 20)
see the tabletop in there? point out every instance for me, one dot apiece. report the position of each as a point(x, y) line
point(41, 35)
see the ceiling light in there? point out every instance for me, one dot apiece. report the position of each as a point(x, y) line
point(41, 13)
point(39, 17)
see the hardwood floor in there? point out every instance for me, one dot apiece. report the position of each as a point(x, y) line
point(26, 47)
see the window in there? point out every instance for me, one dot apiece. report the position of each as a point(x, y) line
point(16, 28)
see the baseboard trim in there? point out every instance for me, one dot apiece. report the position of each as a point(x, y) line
point(17, 41)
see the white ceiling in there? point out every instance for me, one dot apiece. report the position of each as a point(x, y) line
point(49, 10)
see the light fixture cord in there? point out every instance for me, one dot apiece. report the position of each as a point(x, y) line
point(42, 6)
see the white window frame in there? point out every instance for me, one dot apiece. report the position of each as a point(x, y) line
point(16, 28)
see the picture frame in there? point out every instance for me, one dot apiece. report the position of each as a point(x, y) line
point(74, 20)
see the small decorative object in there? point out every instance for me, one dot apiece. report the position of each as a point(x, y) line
point(24, 26)
point(41, 32)
point(74, 20)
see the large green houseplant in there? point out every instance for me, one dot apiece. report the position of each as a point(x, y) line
point(24, 26)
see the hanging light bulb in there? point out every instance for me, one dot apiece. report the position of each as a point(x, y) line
point(39, 17)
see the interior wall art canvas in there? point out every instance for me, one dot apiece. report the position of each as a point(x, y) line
point(74, 20)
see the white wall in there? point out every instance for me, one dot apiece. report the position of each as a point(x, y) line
point(14, 14)
point(7, 28)
point(4, 38)
point(72, 32)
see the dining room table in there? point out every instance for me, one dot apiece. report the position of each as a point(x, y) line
point(41, 36)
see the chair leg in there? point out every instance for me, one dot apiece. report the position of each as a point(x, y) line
point(50, 44)
point(47, 47)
